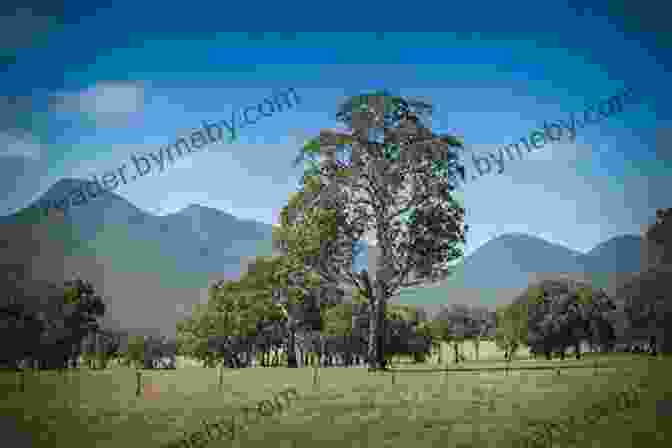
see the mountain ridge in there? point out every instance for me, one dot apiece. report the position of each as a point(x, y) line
point(151, 269)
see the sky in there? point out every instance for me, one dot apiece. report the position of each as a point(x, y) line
point(86, 86)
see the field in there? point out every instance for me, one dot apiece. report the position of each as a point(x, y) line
point(347, 406)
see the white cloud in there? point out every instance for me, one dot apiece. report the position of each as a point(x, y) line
point(108, 103)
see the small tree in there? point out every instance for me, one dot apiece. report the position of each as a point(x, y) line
point(135, 353)
point(511, 331)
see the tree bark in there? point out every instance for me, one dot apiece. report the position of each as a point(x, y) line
point(276, 357)
point(347, 341)
point(653, 345)
point(381, 363)
point(291, 350)
point(376, 352)
point(373, 324)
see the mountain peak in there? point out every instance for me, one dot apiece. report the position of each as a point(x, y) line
point(64, 187)
point(196, 210)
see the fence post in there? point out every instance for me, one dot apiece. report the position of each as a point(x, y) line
point(138, 382)
point(221, 375)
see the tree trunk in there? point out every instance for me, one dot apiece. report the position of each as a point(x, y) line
point(377, 301)
point(291, 350)
point(373, 324)
point(477, 343)
point(653, 344)
point(381, 362)
point(347, 342)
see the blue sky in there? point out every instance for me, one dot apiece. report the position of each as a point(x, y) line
point(133, 77)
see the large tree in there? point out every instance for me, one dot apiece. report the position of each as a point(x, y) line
point(646, 310)
point(69, 316)
point(460, 326)
point(388, 177)
point(556, 314)
point(660, 233)
point(404, 335)
point(236, 310)
point(302, 294)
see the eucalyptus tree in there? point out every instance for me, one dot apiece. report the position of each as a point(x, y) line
point(431, 332)
point(300, 292)
point(388, 177)
point(560, 313)
point(339, 322)
point(20, 325)
point(512, 328)
point(440, 330)
point(460, 326)
point(404, 336)
point(135, 351)
point(69, 315)
point(645, 309)
point(660, 232)
point(243, 309)
point(485, 324)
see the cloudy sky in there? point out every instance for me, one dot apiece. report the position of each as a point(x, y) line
point(85, 87)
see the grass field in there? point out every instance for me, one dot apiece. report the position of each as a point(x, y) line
point(348, 407)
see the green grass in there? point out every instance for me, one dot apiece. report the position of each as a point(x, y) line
point(349, 406)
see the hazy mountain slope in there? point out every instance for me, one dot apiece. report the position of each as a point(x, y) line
point(503, 267)
point(152, 269)
point(614, 262)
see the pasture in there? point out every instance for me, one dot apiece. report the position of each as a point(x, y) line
point(347, 407)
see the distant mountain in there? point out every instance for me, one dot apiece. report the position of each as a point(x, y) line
point(622, 254)
point(152, 269)
point(503, 267)
point(616, 261)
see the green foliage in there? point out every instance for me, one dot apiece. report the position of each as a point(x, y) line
point(390, 174)
point(136, 350)
point(661, 233)
point(512, 326)
point(86, 306)
point(554, 314)
point(338, 320)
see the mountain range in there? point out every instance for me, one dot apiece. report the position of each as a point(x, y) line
point(152, 269)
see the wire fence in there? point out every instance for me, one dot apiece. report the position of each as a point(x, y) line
point(557, 367)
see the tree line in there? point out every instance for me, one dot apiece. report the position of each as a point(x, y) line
point(387, 177)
